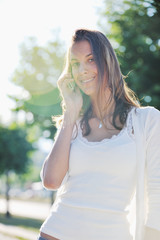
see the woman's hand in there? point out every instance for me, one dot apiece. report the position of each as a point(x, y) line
point(71, 95)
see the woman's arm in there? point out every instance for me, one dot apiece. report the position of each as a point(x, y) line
point(57, 162)
point(152, 225)
point(56, 165)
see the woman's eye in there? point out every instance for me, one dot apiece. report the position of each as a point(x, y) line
point(91, 59)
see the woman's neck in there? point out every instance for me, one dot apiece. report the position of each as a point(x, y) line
point(102, 111)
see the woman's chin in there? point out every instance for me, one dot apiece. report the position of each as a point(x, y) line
point(89, 91)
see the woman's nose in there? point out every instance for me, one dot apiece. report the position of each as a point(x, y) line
point(82, 68)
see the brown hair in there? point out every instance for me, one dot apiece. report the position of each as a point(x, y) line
point(106, 61)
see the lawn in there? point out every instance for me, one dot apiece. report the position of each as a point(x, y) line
point(23, 222)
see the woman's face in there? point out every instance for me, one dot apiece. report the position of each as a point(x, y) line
point(84, 68)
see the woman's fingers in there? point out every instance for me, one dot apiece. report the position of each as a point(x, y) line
point(66, 84)
point(64, 76)
point(71, 85)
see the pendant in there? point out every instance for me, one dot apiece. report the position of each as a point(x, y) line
point(100, 125)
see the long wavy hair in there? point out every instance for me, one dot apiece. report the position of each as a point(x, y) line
point(107, 63)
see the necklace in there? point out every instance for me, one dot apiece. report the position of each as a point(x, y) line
point(100, 124)
point(103, 120)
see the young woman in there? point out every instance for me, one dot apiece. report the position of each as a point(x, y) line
point(105, 161)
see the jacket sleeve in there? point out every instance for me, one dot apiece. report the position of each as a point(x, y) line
point(153, 168)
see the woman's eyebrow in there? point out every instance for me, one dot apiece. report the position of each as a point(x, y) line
point(89, 54)
point(74, 59)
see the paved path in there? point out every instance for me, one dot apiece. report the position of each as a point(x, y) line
point(26, 208)
point(10, 232)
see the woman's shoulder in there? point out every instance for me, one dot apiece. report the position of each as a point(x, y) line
point(146, 111)
point(148, 118)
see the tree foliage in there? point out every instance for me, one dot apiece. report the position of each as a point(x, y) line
point(14, 150)
point(133, 28)
point(37, 73)
point(14, 154)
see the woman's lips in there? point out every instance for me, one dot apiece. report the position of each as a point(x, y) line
point(87, 80)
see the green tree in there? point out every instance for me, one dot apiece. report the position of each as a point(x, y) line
point(15, 152)
point(37, 73)
point(133, 28)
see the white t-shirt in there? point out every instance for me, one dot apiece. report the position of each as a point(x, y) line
point(93, 199)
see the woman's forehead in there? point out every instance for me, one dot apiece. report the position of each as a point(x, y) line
point(81, 48)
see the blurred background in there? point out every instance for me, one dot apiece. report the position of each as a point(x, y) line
point(34, 38)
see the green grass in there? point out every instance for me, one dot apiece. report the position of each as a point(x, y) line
point(15, 237)
point(20, 238)
point(27, 223)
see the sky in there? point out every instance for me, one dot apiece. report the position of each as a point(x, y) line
point(20, 19)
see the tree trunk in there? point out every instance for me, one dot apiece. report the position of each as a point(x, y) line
point(7, 194)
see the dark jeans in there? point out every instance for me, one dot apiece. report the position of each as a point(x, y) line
point(41, 238)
